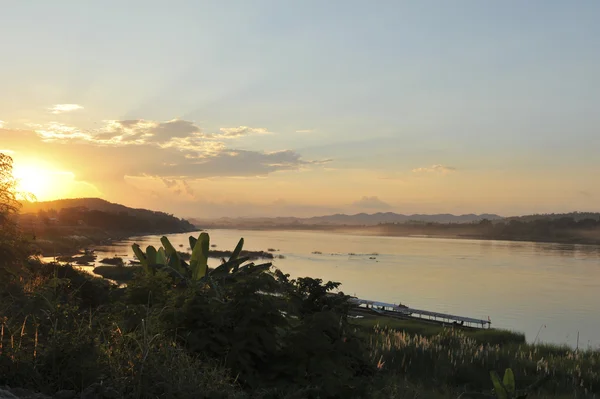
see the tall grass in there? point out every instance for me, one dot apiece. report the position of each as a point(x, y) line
point(454, 359)
point(415, 327)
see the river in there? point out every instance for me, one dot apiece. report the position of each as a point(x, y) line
point(551, 292)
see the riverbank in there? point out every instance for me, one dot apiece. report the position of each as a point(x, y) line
point(177, 341)
point(578, 238)
point(72, 240)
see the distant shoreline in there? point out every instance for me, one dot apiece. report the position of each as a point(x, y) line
point(66, 245)
point(373, 231)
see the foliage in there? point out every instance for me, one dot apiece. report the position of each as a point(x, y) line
point(453, 359)
point(13, 249)
point(428, 330)
point(167, 258)
point(95, 212)
point(573, 228)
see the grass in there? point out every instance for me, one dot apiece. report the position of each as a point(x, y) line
point(424, 329)
point(453, 359)
point(64, 329)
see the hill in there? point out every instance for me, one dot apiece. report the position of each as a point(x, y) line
point(360, 219)
point(69, 224)
point(576, 216)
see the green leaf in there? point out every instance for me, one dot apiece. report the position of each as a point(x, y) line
point(169, 249)
point(140, 255)
point(199, 260)
point(237, 250)
point(228, 266)
point(509, 381)
point(161, 257)
point(261, 268)
point(151, 254)
point(172, 256)
point(498, 386)
point(193, 242)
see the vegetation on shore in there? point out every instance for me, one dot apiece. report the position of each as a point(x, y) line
point(64, 227)
point(567, 229)
point(180, 329)
point(573, 228)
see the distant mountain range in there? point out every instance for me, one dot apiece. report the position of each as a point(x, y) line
point(360, 219)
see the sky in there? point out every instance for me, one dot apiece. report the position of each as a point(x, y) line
point(302, 108)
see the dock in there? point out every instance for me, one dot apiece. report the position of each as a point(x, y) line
point(404, 312)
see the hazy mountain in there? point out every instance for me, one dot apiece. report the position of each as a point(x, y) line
point(360, 219)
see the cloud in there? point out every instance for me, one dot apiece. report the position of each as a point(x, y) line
point(231, 132)
point(1, 124)
point(441, 169)
point(305, 131)
point(371, 203)
point(175, 133)
point(61, 108)
point(178, 187)
point(125, 148)
point(231, 163)
point(174, 128)
point(59, 131)
point(169, 183)
point(139, 131)
point(586, 194)
point(393, 176)
point(188, 189)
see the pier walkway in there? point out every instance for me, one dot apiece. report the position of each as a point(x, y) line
point(404, 311)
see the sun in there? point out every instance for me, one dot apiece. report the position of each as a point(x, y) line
point(47, 183)
point(36, 181)
point(42, 181)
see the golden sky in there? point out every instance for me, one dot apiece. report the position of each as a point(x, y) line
point(276, 109)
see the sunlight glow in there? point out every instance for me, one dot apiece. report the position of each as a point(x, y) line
point(39, 181)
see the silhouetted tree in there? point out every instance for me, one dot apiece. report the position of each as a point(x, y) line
point(11, 246)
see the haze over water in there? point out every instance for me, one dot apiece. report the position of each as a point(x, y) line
point(522, 286)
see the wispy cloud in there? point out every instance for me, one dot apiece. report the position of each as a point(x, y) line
point(441, 169)
point(60, 131)
point(61, 108)
point(393, 176)
point(185, 135)
point(371, 203)
point(179, 187)
point(1, 124)
point(231, 132)
point(305, 131)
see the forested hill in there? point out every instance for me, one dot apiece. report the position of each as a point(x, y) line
point(576, 216)
point(101, 214)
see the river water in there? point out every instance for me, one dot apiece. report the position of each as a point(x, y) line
point(551, 292)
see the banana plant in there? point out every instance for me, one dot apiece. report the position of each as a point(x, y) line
point(167, 257)
point(506, 388)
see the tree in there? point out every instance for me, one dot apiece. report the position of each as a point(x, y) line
point(9, 205)
point(12, 248)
